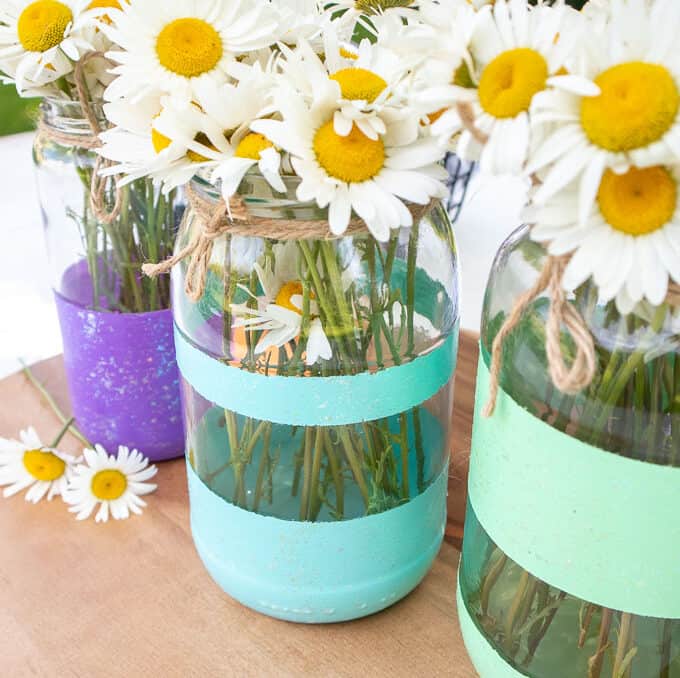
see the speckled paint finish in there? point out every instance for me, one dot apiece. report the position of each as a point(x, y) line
point(317, 572)
point(123, 378)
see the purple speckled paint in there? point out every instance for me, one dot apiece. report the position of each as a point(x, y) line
point(122, 375)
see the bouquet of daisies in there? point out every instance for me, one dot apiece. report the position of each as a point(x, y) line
point(587, 108)
point(56, 50)
point(314, 186)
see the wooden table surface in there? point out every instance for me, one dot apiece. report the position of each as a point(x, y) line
point(132, 599)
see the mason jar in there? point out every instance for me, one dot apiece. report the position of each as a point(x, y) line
point(116, 324)
point(570, 547)
point(318, 389)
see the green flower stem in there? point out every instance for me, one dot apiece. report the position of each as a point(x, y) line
point(336, 472)
point(411, 286)
point(314, 495)
point(404, 449)
point(353, 461)
point(62, 433)
point(307, 472)
point(53, 405)
point(420, 451)
point(376, 311)
point(265, 461)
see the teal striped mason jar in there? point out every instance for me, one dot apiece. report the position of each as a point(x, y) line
point(318, 390)
point(570, 553)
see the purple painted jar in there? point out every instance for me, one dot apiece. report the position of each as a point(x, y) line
point(116, 324)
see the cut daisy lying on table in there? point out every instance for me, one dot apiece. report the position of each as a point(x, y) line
point(114, 484)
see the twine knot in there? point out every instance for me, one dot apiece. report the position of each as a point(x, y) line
point(568, 378)
point(91, 142)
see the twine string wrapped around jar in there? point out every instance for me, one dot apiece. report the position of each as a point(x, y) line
point(217, 218)
point(90, 142)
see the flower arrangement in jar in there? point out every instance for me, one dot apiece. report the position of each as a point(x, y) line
point(315, 291)
point(568, 556)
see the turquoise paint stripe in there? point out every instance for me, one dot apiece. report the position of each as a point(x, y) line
point(487, 662)
point(317, 572)
point(318, 401)
point(596, 525)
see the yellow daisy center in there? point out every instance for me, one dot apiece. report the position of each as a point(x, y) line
point(344, 52)
point(252, 145)
point(160, 142)
point(510, 81)
point(359, 83)
point(201, 139)
point(640, 201)
point(42, 25)
point(44, 465)
point(109, 484)
point(285, 296)
point(189, 47)
point(637, 105)
point(353, 158)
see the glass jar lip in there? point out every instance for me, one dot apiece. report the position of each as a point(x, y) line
point(261, 199)
point(66, 115)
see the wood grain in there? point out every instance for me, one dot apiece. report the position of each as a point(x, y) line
point(133, 599)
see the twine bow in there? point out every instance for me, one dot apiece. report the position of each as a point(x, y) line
point(569, 379)
point(90, 142)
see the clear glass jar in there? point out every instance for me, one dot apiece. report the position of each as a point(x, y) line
point(631, 411)
point(116, 324)
point(291, 431)
point(98, 265)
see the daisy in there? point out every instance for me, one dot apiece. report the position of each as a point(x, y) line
point(229, 109)
point(40, 39)
point(175, 45)
point(362, 79)
point(346, 172)
point(633, 117)
point(630, 244)
point(27, 463)
point(159, 137)
point(114, 483)
point(279, 310)
point(518, 52)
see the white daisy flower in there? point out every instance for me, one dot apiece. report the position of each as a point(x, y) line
point(353, 171)
point(27, 463)
point(160, 137)
point(279, 311)
point(518, 52)
point(228, 107)
point(172, 46)
point(633, 118)
point(630, 244)
point(363, 80)
point(115, 484)
point(41, 39)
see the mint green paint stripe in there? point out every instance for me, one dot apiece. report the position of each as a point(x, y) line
point(598, 526)
point(487, 662)
point(318, 401)
point(318, 572)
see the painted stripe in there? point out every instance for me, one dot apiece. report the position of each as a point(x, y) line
point(487, 662)
point(599, 526)
point(318, 401)
point(318, 572)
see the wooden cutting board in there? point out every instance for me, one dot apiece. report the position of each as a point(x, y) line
point(131, 598)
